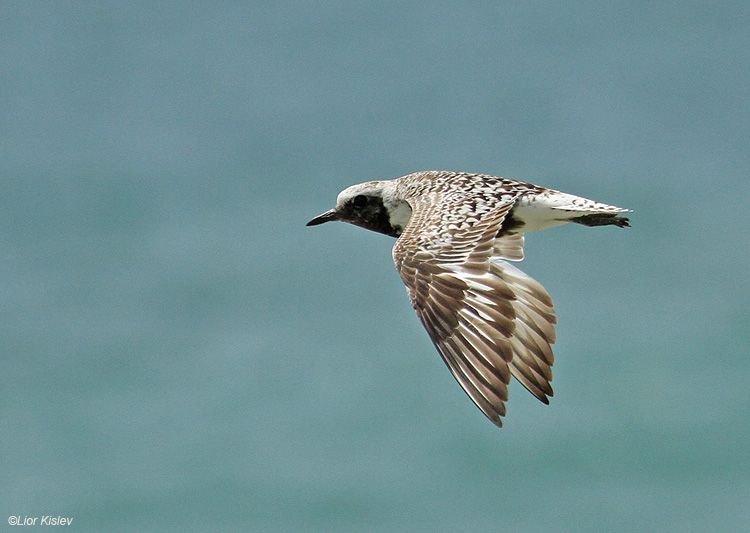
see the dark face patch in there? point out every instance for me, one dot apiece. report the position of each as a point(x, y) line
point(368, 212)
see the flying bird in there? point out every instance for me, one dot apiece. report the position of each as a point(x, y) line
point(456, 233)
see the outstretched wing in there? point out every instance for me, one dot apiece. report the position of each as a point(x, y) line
point(487, 319)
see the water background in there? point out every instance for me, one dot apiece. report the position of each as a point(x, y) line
point(180, 353)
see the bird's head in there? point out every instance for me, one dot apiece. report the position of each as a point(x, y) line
point(373, 205)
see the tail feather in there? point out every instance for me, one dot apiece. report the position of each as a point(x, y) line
point(602, 219)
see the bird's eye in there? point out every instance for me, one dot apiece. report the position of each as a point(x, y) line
point(360, 200)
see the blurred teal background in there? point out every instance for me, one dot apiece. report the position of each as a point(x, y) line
point(179, 352)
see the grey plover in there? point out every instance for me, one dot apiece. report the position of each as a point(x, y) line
point(455, 233)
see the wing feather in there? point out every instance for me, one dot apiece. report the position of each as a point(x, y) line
point(487, 319)
point(490, 401)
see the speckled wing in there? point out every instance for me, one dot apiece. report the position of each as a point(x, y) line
point(487, 319)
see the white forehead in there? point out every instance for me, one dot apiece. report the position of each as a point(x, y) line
point(370, 188)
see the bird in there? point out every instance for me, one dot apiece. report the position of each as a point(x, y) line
point(456, 233)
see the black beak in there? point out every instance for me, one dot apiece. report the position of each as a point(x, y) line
point(333, 214)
